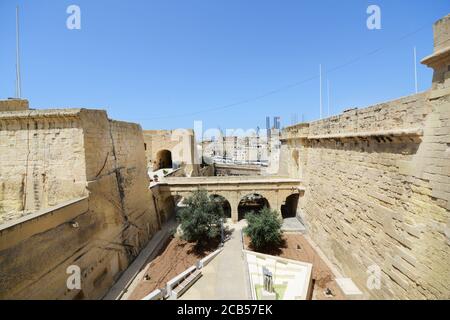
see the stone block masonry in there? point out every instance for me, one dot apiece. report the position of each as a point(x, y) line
point(377, 188)
point(13, 105)
point(179, 143)
point(50, 157)
point(42, 160)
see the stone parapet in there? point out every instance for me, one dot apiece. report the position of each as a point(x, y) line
point(12, 105)
point(440, 59)
point(73, 192)
point(377, 187)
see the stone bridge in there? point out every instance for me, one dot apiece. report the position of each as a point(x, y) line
point(277, 191)
point(222, 169)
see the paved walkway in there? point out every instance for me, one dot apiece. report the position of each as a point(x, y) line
point(293, 225)
point(224, 278)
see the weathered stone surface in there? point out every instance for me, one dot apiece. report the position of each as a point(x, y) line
point(51, 156)
point(377, 186)
point(13, 105)
point(41, 160)
point(180, 143)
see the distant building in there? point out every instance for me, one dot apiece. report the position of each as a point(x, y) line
point(277, 123)
point(248, 149)
point(268, 128)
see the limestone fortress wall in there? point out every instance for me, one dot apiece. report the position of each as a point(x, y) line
point(377, 187)
point(42, 160)
point(74, 191)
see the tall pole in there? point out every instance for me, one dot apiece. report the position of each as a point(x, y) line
point(320, 89)
point(18, 81)
point(415, 70)
point(328, 96)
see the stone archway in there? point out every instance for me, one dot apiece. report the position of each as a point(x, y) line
point(289, 208)
point(251, 202)
point(163, 160)
point(224, 203)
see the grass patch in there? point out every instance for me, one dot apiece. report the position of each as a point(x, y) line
point(279, 289)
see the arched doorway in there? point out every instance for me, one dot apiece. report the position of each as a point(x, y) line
point(224, 203)
point(251, 203)
point(163, 160)
point(289, 208)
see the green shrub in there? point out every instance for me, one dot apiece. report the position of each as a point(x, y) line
point(200, 219)
point(264, 229)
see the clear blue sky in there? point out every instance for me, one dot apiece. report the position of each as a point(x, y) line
point(157, 62)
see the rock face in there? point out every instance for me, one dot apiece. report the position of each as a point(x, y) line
point(73, 192)
point(377, 182)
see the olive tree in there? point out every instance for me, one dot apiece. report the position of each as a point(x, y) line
point(264, 229)
point(201, 218)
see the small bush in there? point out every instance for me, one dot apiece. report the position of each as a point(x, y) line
point(200, 219)
point(264, 229)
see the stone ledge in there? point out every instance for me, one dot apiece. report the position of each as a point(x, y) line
point(47, 113)
point(369, 134)
point(40, 221)
point(229, 180)
point(437, 57)
point(439, 93)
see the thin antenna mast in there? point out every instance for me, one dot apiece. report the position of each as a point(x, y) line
point(18, 81)
point(328, 96)
point(415, 70)
point(320, 89)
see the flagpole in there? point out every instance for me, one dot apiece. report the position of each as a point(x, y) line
point(415, 70)
point(320, 89)
point(328, 96)
point(18, 80)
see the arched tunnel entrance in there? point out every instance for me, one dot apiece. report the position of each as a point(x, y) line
point(168, 207)
point(163, 160)
point(251, 203)
point(224, 203)
point(289, 209)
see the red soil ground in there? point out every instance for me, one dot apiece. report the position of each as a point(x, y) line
point(296, 247)
point(177, 256)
